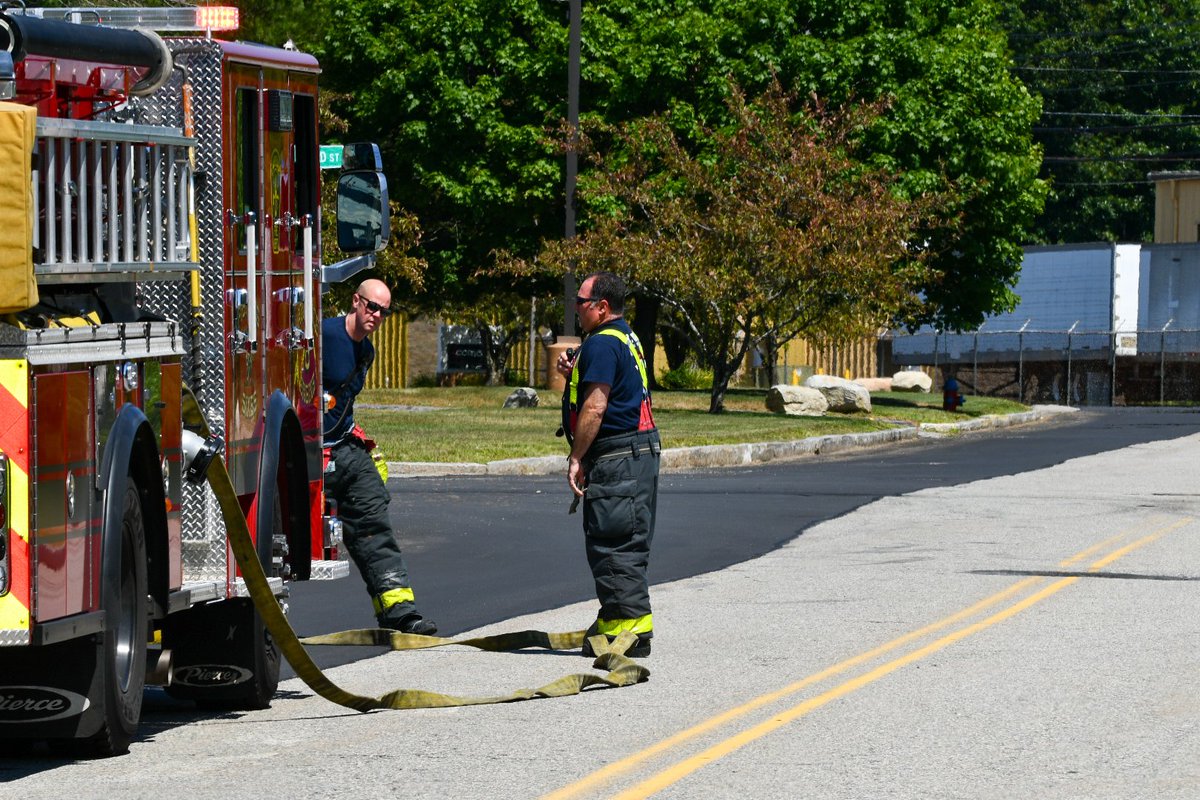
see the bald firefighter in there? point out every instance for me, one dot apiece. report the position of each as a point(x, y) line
point(351, 478)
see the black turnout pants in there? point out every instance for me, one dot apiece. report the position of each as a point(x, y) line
point(618, 521)
point(362, 504)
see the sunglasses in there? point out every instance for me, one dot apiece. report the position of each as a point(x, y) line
point(582, 300)
point(375, 308)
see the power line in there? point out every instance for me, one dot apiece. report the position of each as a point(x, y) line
point(1098, 129)
point(1110, 70)
point(1118, 114)
point(1126, 158)
point(1093, 184)
point(1043, 35)
point(1096, 87)
point(1134, 49)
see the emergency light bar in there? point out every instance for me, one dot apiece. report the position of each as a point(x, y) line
point(196, 19)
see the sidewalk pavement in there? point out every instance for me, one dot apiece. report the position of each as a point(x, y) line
point(737, 455)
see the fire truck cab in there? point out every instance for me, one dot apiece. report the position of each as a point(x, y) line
point(160, 205)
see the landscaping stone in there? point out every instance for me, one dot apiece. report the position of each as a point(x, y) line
point(524, 397)
point(843, 396)
point(875, 384)
point(796, 401)
point(911, 381)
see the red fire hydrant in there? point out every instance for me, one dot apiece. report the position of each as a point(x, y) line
point(951, 399)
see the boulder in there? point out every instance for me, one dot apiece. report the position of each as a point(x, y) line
point(875, 384)
point(911, 380)
point(796, 401)
point(522, 398)
point(842, 395)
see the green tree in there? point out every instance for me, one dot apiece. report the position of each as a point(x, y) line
point(767, 230)
point(1118, 84)
point(461, 95)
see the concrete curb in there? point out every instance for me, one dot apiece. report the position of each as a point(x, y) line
point(736, 455)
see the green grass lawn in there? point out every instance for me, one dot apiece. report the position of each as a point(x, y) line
point(469, 424)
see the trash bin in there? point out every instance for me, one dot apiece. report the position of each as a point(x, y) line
point(554, 381)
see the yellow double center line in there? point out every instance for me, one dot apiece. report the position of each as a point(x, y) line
point(686, 766)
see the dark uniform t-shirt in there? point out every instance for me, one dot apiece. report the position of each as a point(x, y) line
point(344, 365)
point(607, 359)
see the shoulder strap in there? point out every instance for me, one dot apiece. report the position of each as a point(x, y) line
point(635, 349)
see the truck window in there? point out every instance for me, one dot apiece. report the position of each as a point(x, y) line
point(307, 185)
point(247, 183)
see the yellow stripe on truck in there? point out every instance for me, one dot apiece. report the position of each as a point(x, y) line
point(14, 442)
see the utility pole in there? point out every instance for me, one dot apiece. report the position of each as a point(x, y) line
point(575, 10)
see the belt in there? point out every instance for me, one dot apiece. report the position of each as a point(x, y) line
point(626, 452)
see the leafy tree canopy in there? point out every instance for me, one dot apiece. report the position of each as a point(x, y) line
point(461, 95)
point(771, 229)
point(1118, 83)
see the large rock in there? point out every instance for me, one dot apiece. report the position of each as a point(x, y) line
point(842, 395)
point(522, 398)
point(796, 401)
point(875, 384)
point(911, 380)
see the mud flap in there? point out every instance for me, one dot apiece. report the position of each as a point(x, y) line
point(54, 691)
point(216, 657)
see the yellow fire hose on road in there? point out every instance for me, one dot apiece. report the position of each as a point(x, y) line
point(621, 670)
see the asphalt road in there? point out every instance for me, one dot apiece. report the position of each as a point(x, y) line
point(484, 549)
point(1005, 614)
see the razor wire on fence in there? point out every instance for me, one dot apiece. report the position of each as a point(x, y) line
point(1068, 367)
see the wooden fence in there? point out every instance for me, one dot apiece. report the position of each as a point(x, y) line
point(857, 358)
point(390, 370)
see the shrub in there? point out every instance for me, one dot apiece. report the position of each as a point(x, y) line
point(687, 376)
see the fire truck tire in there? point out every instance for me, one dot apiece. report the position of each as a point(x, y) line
point(266, 653)
point(123, 656)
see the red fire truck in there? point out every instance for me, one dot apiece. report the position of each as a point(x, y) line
point(159, 240)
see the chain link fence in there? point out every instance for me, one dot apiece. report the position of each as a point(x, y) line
point(1065, 367)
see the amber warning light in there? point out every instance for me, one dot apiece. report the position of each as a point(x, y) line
point(217, 18)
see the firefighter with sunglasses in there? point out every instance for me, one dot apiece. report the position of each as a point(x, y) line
point(351, 477)
point(614, 459)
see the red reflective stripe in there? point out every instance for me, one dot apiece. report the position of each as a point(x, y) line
point(14, 429)
point(646, 416)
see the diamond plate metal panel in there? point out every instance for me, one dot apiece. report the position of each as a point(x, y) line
point(205, 553)
point(14, 638)
point(329, 570)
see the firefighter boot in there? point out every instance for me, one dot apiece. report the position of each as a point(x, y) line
point(410, 623)
point(640, 648)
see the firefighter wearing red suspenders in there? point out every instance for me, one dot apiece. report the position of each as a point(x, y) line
point(614, 459)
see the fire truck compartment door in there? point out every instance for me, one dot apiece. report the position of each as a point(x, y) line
point(18, 289)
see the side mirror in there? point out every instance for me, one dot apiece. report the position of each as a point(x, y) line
point(362, 212)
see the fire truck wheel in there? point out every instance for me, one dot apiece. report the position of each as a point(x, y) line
point(123, 659)
point(266, 652)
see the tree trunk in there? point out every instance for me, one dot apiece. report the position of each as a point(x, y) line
point(644, 322)
point(495, 355)
point(675, 347)
point(722, 373)
point(769, 348)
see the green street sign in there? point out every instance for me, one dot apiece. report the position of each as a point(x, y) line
point(331, 156)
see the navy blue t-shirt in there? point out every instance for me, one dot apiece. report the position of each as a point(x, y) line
point(607, 359)
point(344, 365)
